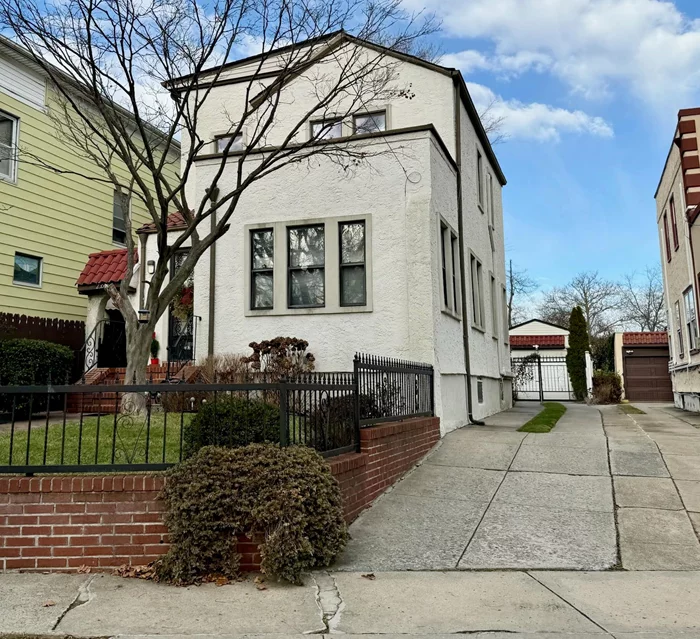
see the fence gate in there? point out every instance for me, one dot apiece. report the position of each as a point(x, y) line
point(541, 378)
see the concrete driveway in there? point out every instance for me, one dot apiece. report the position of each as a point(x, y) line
point(602, 490)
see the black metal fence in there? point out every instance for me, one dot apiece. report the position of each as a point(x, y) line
point(541, 378)
point(118, 428)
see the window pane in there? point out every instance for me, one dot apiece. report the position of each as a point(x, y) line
point(223, 141)
point(120, 208)
point(306, 246)
point(327, 129)
point(370, 123)
point(27, 269)
point(352, 286)
point(263, 249)
point(352, 243)
point(306, 288)
point(262, 290)
point(6, 131)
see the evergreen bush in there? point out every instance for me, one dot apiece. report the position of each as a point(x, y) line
point(576, 355)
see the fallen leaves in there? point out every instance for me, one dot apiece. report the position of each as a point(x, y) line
point(260, 583)
point(370, 575)
point(136, 572)
point(83, 570)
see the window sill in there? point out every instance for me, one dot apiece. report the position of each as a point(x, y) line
point(481, 329)
point(449, 312)
point(312, 310)
point(8, 180)
point(26, 284)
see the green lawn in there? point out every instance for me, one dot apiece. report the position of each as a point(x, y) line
point(79, 444)
point(546, 419)
point(628, 409)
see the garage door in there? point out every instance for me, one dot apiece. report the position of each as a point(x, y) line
point(646, 376)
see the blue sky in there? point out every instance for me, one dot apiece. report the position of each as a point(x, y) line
point(589, 90)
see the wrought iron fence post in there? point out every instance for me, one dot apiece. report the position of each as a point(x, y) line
point(284, 411)
point(539, 377)
point(431, 379)
point(356, 397)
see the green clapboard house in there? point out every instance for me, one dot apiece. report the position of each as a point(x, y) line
point(50, 222)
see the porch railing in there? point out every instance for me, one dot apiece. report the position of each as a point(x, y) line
point(150, 427)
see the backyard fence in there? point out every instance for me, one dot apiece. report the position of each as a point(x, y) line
point(150, 427)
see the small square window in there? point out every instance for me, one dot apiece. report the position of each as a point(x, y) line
point(8, 147)
point(120, 209)
point(224, 140)
point(370, 122)
point(327, 129)
point(27, 270)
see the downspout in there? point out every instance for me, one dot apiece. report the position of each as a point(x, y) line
point(460, 230)
point(212, 288)
point(142, 264)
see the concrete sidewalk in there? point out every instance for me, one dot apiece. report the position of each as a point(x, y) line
point(508, 605)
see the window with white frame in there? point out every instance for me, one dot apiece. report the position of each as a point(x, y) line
point(327, 129)
point(8, 147)
point(369, 122)
point(120, 210)
point(494, 308)
point(27, 270)
point(353, 276)
point(480, 179)
point(233, 143)
point(691, 320)
point(477, 293)
point(679, 330)
point(262, 257)
point(504, 311)
point(449, 254)
point(306, 266)
point(492, 210)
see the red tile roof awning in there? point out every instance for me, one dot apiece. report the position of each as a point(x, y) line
point(655, 338)
point(103, 268)
point(541, 341)
point(176, 221)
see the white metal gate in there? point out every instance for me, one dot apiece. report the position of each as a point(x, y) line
point(541, 378)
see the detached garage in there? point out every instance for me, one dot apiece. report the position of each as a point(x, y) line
point(641, 359)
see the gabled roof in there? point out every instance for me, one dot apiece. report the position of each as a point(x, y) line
point(103, 268)
point(176, 221)
point(335, 39)
point(563, 328)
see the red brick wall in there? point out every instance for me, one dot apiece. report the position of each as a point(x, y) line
point(68, 522)
point(63, 523)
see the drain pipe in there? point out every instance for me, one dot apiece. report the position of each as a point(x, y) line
point(213, 196)
point(460, 230)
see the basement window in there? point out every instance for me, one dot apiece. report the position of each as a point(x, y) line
point(479, 390)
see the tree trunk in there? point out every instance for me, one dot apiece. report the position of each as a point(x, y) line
point(138, 347)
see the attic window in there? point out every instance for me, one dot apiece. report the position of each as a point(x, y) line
point(223, 141)
point(327, 129)
point(370, 122)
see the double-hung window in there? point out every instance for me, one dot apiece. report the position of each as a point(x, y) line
point(262, 265)
point(691, 320)
point(327, 129)
point(353, 278)
point(679, 330)
point(120, 209)
point(674, 225)
point(8, 147)
point(369, 122)
point(477, 293)
point(306, 250)
point(666, 240)
point(480, 179)
point(494, 308)
point(504, 311)
point(449, 250)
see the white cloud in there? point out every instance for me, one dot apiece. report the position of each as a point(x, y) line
point(535, 121)
point(597, 47)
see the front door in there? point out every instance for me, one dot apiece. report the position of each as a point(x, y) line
point(181, 323)
point(111, 352)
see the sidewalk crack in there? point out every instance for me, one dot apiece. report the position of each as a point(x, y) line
point(82, 597)
point(329, 602)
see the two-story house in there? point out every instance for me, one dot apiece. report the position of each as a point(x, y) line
point(677, 210)
point(53, 215)
point(403, 256)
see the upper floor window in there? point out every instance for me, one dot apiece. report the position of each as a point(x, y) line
point(477, 293)
point(262, 265)
point(27, 270)
point(450, 269)
point(480, 179)
point(120, 209)
point(223, 141)
point(353, 279)
point(494, 307)
point(327, 129)
point(674, 225)
point(8, 147)
point(691, 320)
point(307, 259)
point(679, 330)
point(369, 122)
point(666, 240)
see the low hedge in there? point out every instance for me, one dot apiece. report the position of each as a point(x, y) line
point(287, 494)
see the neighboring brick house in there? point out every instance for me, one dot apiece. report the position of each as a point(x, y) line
point(677, 211)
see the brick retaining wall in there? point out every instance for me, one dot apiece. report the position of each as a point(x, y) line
point(63, 523)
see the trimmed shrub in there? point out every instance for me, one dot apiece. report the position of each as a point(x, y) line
point(281, 357)
point(607, 387)
point(576, 355)
point(287, 494)
point(232, 421)
point(26, 362)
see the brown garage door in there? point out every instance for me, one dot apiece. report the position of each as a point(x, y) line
point(646, 375)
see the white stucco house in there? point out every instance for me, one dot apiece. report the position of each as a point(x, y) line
point(402, 258)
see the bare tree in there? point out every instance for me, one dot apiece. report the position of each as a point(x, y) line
point(642, 300)
point(133, 81)
point(520, 285)
point(493, 123)
point(598, 298)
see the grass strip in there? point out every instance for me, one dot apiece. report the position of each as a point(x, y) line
point(628, 409)
point(545, 420)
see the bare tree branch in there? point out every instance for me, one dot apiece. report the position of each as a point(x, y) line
point(642, 300)
point(520, 285)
